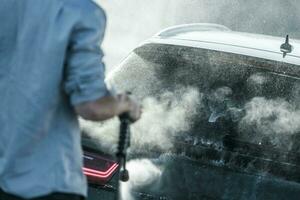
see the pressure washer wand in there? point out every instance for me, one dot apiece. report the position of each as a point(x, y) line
point(124, 144)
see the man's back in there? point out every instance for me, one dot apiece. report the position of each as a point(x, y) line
point(39, 134)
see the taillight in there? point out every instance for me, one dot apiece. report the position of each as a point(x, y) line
point(97, 168)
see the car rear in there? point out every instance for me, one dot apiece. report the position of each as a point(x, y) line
point(244, 141)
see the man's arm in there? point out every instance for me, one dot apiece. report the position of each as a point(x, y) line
point(108, 107)
point(84, 72)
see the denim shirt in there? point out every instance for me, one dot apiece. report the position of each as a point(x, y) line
point(50, 60)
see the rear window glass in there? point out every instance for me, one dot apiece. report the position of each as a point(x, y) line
point(245, 103)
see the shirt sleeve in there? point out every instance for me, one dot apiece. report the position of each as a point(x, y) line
point(84, 70)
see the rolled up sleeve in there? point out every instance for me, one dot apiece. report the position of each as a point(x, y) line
point(85, 71)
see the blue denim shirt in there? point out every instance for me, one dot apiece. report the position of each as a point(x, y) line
point(50, 60)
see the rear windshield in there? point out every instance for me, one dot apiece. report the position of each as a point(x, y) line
point(248, 99)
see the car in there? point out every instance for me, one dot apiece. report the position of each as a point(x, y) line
point(225, 122)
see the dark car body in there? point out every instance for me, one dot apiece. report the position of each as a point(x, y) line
point(244, 143)
point(101, 171)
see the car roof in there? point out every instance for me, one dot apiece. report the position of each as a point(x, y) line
point(221, 38)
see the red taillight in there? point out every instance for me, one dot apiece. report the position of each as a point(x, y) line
point(97, 168)
point(100, 174)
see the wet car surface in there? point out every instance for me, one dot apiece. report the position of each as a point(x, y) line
point(242, 141)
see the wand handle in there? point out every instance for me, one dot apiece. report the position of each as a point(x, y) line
point(124, 143)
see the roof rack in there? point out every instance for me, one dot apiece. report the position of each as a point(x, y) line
point(185, 28)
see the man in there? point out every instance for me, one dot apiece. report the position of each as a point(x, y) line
point(50, 70)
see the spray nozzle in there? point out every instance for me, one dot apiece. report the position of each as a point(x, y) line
point(124, 175)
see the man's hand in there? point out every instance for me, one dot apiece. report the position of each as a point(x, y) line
point(131, 106)
point(108, 107)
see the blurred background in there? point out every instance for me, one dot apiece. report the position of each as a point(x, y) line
point(130, 22)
